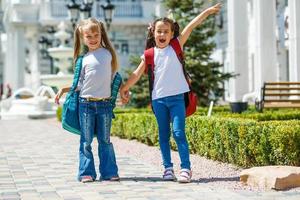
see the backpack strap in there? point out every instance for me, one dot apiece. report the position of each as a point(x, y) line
point(149, 62)
point(149, 59)
point(77, 71)
point(177, 48)
point(115, 86)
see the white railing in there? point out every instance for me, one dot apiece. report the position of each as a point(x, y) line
point(122, 9)
point(58, 8)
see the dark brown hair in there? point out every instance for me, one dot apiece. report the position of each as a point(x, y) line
point(150, 41)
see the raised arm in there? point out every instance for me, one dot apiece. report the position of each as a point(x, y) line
point(196, 22)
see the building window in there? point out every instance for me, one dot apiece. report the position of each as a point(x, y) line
point(121, 46)
point(124, 48)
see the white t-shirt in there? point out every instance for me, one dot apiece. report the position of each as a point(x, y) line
point(95, 76)
point(169, 78)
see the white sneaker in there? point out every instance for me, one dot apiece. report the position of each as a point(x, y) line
point(185, 176)
point(169, 174)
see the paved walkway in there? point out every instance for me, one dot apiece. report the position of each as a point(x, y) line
point(38, 160)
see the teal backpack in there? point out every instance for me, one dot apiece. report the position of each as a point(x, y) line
point(70, 114)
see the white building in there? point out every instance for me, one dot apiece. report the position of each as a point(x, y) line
point(260, 41)
point(257, 39)
point(27, 20)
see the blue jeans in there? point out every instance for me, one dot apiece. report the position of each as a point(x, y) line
point(95, 120)
point(168, 110)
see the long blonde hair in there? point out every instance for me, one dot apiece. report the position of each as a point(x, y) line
point(94, 25)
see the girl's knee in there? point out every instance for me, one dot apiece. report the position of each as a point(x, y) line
point(104, 141)
point(179, 135)
point(86, 148)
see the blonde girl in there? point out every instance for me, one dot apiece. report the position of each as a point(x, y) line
point(95, 110)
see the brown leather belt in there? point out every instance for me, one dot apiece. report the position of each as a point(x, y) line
point(93, 99)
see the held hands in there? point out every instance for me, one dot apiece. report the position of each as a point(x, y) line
point(214, 9)
point(124, 94)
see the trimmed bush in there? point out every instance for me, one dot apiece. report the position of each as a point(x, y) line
point(244, 142)
point(247, 139)
point(141, 127)
point(266, 116)
point(59, 113)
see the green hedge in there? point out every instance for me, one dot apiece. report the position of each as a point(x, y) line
point(243, 142)
point(59, 113)
point(248, 139)
point(141, 126)
point(118, 110)
point(224, 111)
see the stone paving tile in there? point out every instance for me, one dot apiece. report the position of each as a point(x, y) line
point(41, 161)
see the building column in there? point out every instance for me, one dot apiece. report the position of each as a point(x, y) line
point(294, 40)
point(160, 10)
point(281, 44)
point(14, 68)
point(237, 48)
point(265, 56)
point(34, 58)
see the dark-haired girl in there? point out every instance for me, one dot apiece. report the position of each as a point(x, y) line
point(169, 87)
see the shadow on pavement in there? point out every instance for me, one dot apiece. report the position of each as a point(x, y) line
point(142, 179)
point(217, 179)
point(201, 180)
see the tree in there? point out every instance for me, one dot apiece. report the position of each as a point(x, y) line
point(206, 74)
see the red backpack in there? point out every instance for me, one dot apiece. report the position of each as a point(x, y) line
point(190, 97)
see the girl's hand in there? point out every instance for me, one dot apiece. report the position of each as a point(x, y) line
point(214, 9)
point(124, 95)
point(58, 95)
